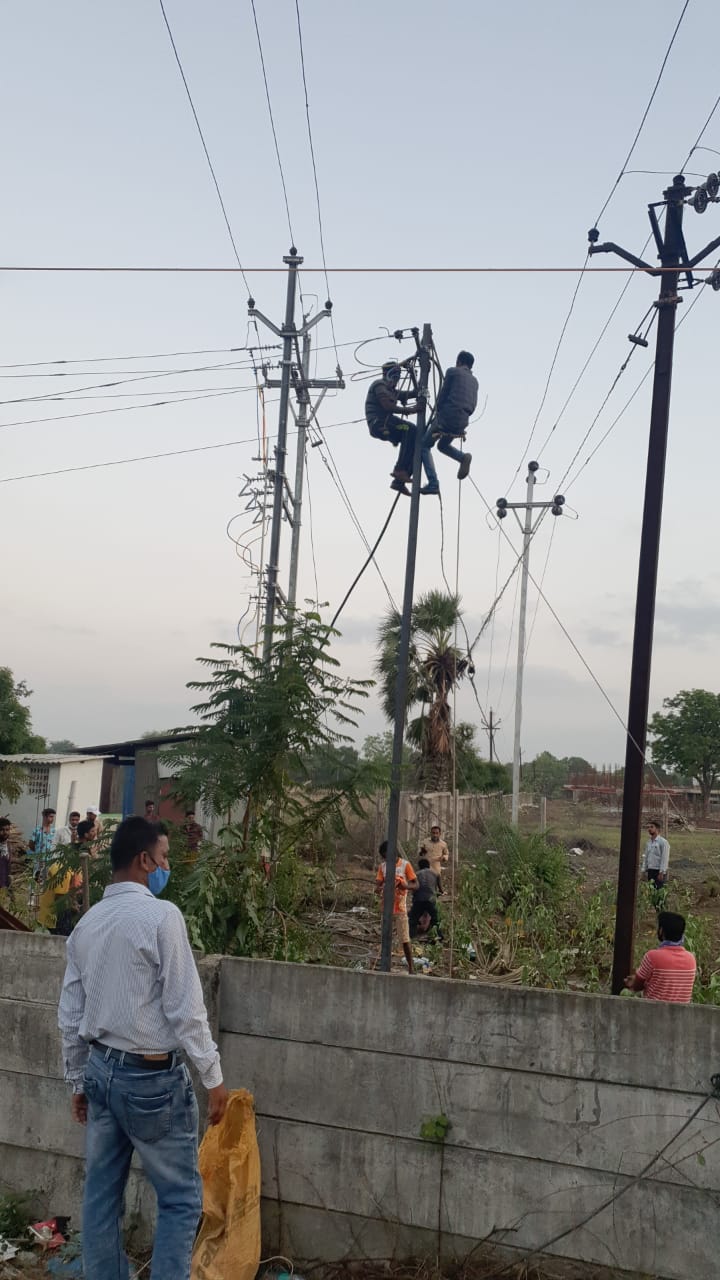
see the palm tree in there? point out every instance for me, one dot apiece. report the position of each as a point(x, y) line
point(436, 666)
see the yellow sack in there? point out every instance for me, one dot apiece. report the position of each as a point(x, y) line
point(228, 1246)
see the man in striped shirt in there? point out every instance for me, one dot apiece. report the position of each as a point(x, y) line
point(668, 971)
point(131, 1005)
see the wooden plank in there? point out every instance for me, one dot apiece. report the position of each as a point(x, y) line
point(607, 1127)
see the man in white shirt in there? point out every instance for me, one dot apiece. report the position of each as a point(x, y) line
point(131, 1003)
point(656, 857)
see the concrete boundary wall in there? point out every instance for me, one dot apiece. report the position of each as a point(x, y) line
point(556, 1103)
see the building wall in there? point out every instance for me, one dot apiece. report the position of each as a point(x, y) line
point(79, 785)
point(66, 785)
point(556, 1103)
point(40, 793)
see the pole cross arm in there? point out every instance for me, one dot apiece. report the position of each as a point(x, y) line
point(258, 315)
point(610, 247)
point(714, 244)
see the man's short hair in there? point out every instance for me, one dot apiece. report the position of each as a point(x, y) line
point(46, 812)
point(189, 813)
point(466, 358)
point(672, 925)
point(5, 822)
point(148, 803)
point(653, 823)
point(84, 828)
point(383, 849)
point(133, 836)
point(435, 826)
point(423, 863)
point(74, 813)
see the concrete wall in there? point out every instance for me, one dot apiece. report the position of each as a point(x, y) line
point(556, 1102)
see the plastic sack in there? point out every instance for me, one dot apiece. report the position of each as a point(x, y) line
point(228, 1246)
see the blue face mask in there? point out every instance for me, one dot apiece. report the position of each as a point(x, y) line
point(158, 879)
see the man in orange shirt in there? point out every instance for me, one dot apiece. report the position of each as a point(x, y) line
point(405, 879)
point(668, 971)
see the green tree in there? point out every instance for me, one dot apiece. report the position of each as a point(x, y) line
point(328, 766)
point(546, 774)
point(377, 753)
point(687, 737)
point(62, 745)
point(435, 668)
point(472, 773)
point(16, 733)
point(261, 725)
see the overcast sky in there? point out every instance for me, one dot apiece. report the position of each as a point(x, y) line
point(472, 134)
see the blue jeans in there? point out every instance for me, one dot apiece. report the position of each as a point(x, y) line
point(154, 1113)
point(444, 446)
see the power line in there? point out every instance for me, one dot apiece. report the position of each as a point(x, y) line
point(125, 408)
point(645, 114)
point(371, 556)
point(696, 146)
point(312, 157)
point(117, 382)
point(169, 355)
point(525, 270)
point(204, 145)
point(149, 457)
point(272, 121)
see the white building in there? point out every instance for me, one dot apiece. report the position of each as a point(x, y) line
point(60, 782)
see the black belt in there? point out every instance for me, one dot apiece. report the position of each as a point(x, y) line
point(166, 1063)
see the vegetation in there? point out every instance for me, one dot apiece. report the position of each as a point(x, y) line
point(687, 737)
point(16, 733)
point(436, 668)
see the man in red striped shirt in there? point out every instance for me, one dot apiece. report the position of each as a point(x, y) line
point(668, 971)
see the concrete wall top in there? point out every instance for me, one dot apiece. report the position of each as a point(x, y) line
point(604, 1038)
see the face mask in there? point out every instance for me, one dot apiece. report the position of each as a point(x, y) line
point(158, 879)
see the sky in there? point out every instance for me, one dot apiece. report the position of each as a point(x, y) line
point(475, 134)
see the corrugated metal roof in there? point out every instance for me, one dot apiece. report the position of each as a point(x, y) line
point(42, 758)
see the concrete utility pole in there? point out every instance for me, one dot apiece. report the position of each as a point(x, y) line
point(674, 261)
point(528, 527)
point(491, 727)
point(424, 349)
point(294, 373)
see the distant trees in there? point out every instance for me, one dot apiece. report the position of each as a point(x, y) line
point(16, 734)
point(687, 737)
point(61, 745)
point(547, 774)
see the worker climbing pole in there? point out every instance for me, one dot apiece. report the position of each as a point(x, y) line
point(424, 356)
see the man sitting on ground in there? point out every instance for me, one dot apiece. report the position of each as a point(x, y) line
point(668, 971)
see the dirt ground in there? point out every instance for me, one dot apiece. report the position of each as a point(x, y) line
point(352, 915)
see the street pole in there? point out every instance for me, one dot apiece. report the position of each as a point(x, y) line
point(528, 526)
point(293, 261)
point(423, 349)
point(294, 374)
point(302, 418)
point(527, 538)
point(674, 262)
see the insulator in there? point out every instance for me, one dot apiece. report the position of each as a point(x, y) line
point(712, 185)
point(556, 510)
point(715, 280)
point(501, 503)
point(700, 200)
point(501, 513)
point(593, 235)
point(533, 467)
point(559, 500)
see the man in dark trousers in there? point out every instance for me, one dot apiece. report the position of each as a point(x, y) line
point(381, 402)
point(131, 1008)
point(454, 407)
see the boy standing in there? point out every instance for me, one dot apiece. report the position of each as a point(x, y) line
point(405, 879)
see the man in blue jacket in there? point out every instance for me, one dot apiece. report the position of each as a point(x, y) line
point(454, 407)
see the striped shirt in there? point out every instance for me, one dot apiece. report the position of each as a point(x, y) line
point(131, 982)
point(668, 973)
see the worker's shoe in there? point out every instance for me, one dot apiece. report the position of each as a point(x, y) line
point(400, 487)
point(430, 488)
point(464, 468)
point(403, 476)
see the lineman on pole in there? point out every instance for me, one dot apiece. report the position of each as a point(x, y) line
point(381, 402)
point(456, 403)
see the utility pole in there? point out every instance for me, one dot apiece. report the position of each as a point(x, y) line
point(674, 262)
point(424, 349)
point(302, 423)
point(292, 374)
point(491, 727)
point(528, 527)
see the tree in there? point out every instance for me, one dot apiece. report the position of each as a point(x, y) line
point(687, 738)
point(261, 725)
point(62, 746)
point(435, 668)
point(546, 774)
point(16, 733)
point(472, 773)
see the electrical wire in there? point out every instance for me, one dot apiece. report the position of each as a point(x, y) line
point(125, 408)
point(150, 457)
point(204, 146)
point(169, 355)
point(312, 535)
point(272, 121)
point(314, 168)
point(645, 114)
point(370, 557)
point(696, 146)
point(336, 478)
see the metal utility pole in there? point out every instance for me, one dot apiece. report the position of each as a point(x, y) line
point(294, 373)
point(673, 256)
point(302, 424)
point(528, 527)
point(424, 349)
